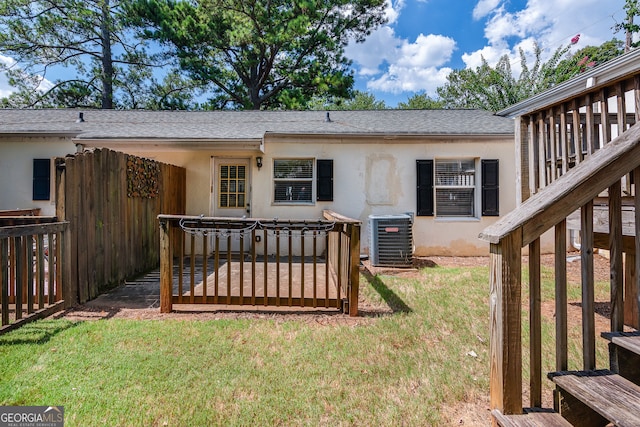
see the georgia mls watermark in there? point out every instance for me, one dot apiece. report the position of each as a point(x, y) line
point(31, 416)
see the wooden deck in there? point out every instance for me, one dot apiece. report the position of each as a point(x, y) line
point(295, 263)
point(270, 278)
point(144, 291)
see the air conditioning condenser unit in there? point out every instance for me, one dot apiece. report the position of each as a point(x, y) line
point(391, 240)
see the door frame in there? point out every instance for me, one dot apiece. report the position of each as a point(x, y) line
point(214, 210)
point(216, 162)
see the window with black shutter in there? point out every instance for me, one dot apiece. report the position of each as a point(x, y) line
point(425, 188)
point(490, 188)
point(455, 188)
point(41, 179)
point(324, 180)
point(292, 181)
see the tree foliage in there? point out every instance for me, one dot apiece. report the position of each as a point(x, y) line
point(88, 38)
point(257, 54)
point(495, 88)
point(585, 59)
point(632, 8)
point(421, 101)
point(358, 100)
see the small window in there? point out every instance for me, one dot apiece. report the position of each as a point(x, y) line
point(455, 186)
point(292, 180)
point(41, 179)
point(233, 188)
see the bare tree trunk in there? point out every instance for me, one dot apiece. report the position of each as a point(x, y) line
point(629, 34)
point(107, 60)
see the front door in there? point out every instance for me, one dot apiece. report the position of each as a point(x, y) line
point(231, 196)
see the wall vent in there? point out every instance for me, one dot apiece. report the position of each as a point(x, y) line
point(391, 240)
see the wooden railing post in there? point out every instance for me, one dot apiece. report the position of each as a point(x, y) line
point(166, 267)
point(535, 326)
point(4, 280)
point(615, 251)
point(505, 324)
point(560, 268)
point(588, 292)
point(354, 279)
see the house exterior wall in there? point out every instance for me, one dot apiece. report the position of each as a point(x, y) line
point(370, 177)
point(378, 177)
point(16, 170)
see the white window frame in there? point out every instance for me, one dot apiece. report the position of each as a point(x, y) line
point(293, 191)
point(451, 174)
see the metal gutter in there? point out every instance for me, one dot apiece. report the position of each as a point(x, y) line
point(174, 144)
point(58, 133)
point(371, 138)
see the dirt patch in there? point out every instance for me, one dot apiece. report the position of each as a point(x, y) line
point(475, 412)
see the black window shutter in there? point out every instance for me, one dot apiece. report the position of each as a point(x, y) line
point(490, 188)
point(425, 188)
point(41, 179)
point(324, 180)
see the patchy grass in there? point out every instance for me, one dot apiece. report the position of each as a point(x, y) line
point(414, 365)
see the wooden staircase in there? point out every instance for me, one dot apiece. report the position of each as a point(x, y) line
point(592, 398)
point(578, 146)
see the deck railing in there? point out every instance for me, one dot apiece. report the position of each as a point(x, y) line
point(523, 227)
point(267, 262)
point(554, 139)
point(31, 269)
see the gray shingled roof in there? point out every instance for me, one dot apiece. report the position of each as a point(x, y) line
point(249, 125)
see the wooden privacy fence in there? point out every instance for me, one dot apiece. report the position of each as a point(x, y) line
point(31, 269)
point(294, 263)
point(111, 201)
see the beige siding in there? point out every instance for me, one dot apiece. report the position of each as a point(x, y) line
point(16, 170)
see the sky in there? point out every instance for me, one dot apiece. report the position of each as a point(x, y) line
point(424, 40)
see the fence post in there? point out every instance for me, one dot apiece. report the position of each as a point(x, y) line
point(354, 279)
point(505, 324)
point(166, 267)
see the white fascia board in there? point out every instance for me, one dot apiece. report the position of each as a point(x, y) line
point(159, 144)
point(372, 138)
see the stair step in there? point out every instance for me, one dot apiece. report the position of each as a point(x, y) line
point(624, 354)
point(627, 340)
point(610, 395)
point(533, 417)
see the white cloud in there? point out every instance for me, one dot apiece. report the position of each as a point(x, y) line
point(377, 49)
point(484, 7)
point(551, 23)
point(389, 63)
point(489, 53)
point(410, 79)
point(410, 66)
point(426, 51)
point(392, 11)
point(5, 88)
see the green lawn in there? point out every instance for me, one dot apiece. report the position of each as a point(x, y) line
point(398, 368)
